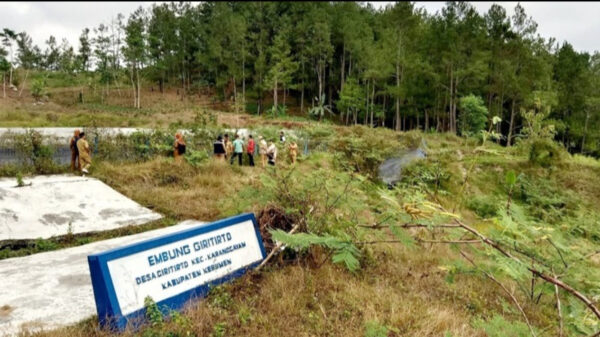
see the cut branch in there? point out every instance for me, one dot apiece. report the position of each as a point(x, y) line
point(558, 308)
point(513, 298)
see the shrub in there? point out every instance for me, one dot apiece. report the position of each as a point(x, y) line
point(473, 116)
point(424, 173)
point(484, 206)
point(545, 153)
point(38, 87)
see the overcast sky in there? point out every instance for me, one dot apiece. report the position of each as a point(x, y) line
point(576, 22)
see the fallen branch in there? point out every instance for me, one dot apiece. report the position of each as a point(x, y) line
point(558, 308)
point(276, 248)
point(409, 225)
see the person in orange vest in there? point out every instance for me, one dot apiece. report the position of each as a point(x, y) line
point(178, 147)
point(293, 150)
point(250, 149)
point(85, 159)
point(74, 151)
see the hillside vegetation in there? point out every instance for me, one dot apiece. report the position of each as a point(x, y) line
point(368, 260)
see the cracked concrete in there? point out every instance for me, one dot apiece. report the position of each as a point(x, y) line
point(54, 289)
point(55, 205)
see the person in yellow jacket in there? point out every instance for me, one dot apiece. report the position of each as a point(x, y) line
point(262, 149)
point(228, 146)
point(293, 150)
point(85, 154)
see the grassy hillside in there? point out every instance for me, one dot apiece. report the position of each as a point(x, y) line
point(369, 261)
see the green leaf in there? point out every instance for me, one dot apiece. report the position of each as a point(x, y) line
point(511, 178)
point(402, 236)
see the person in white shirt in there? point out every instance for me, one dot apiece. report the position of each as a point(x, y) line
point(262, 148)
point(272, 153)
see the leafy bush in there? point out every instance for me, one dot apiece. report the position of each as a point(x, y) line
point(484, 206)
point(473, 115)
point(545, 153)
point(195, 158)
point(38, 88)
point(428, 174)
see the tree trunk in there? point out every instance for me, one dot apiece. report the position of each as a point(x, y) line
point(302, 98)
point(275, 96)
point(398, 95)
point(366, 105)
point(320, 74)
point(426, 121)
point(243, 73)
point(383, 112)
point(587, 117)
point(133, 87)
point(342, 66)
point(450, 121)
point(372, 103)
point(3, 85)
point(137, 75)
point(284, 95)
point(24, 81)
point(510, 127)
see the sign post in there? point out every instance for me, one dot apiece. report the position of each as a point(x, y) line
point(173, 268)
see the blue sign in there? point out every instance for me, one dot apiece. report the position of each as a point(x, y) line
point(173, 268)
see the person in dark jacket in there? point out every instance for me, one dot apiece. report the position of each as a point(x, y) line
point(178, 147)
point(74, 151)
point(219, 148)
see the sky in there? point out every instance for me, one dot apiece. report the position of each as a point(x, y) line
point(576, 22)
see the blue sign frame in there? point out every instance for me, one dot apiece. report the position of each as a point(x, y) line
point(107, 304)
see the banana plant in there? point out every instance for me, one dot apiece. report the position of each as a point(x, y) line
point(320, 109)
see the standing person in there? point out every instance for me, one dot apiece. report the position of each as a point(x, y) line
point(219, 148)
point(281, 137)
point(74, 151)
point(272, 153)
point(250, 150)
point(83, 148)
point(293, 149)
point(228, 146)
point(238, 149)
point(178, 147)
point(263, 151)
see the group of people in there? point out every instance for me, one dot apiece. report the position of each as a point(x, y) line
point(225, 149)
point(81, 155)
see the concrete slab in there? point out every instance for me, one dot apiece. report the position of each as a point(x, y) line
point(51, 203)
point(67, 133)
point(49, 290)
